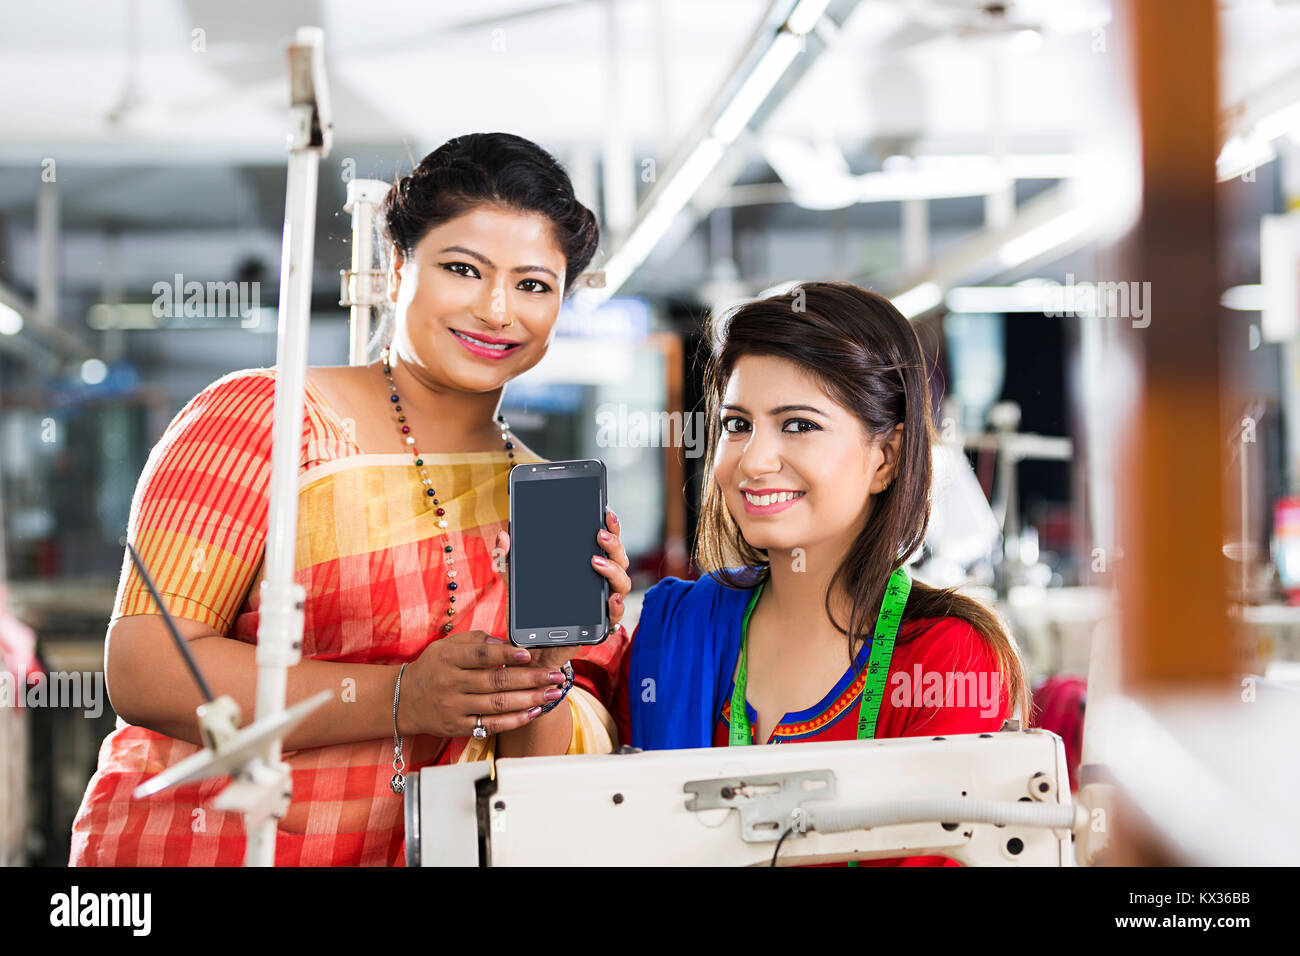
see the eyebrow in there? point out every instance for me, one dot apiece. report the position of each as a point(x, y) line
point(492, 265)
point(780, 409)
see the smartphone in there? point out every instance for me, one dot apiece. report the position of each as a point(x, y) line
point(556, 596)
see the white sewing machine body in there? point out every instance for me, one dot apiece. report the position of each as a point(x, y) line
point(730, 806)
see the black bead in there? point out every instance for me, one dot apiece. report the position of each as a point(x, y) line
point(451, 585)
point(510, 444)
point(447, 549)
point(393, 398)
point(429, 492)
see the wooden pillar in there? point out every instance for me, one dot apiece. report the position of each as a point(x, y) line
point(676, 548)
point(1172, 578)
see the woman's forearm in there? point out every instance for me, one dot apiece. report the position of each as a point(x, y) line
point(150, 686)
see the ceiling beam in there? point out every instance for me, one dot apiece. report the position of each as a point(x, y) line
point(787, 41)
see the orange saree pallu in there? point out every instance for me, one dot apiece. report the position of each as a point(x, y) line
point(371, 557)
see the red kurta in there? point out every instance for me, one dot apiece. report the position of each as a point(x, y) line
point(915, 704)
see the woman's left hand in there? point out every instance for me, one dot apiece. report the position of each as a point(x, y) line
point(614, 567)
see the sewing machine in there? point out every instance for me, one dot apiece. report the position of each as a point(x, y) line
point(996, 799)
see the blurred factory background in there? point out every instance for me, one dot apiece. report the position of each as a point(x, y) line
point(960, 156)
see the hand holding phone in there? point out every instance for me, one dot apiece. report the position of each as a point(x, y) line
point(557, 597)
point(468, 675)
point(613, 566)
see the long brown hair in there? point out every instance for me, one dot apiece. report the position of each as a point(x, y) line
point(867, 358)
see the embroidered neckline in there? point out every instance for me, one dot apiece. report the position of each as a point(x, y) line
point(801, 723)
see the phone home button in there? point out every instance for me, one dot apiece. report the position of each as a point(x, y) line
point(558, 634)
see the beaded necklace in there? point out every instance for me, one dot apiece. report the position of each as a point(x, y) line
point(430, 493)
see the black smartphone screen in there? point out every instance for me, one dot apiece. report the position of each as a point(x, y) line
point(553, 537)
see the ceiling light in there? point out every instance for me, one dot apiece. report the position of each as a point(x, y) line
point(93, 371)
point(11, 321)
point(805, 16)
point(920, 299)
point(1243, 298)
point(1051, 234)
point(756, 87)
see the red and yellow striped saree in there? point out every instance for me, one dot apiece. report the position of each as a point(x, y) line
point(370, 556)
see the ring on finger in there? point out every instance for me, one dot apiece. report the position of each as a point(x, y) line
point(480, 732)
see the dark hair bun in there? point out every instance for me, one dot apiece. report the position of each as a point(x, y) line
point(498, 168)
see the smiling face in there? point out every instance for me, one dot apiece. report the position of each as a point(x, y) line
point(795, 469)
point(478, 299)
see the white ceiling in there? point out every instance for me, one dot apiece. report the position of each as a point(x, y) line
point(553, 71)
point(902, 75)
point(422, 71)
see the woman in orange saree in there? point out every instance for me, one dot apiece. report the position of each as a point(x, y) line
point(397, 548)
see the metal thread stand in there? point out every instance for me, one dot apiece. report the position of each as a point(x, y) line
point(279, 633)
point(363, 285)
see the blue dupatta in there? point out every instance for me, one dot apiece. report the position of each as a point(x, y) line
point(685, 651)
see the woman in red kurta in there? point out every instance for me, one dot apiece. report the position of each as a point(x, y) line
point(819, 444)
point(926, 646)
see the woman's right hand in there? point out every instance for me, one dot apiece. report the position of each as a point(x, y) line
point(464, 675)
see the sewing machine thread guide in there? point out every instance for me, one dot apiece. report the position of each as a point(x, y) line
point(769, 803)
